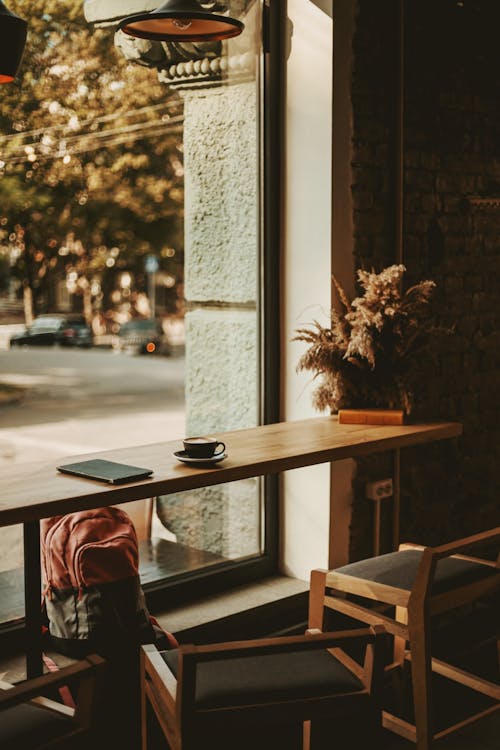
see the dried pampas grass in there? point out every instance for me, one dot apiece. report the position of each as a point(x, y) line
point(367, 356)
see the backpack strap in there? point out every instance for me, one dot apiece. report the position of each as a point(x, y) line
point(63, 690)
point(163, 639)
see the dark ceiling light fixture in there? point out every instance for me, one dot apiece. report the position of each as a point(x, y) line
point(13, 32)
point(181, 21)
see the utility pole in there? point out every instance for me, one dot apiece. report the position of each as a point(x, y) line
point(151, 266)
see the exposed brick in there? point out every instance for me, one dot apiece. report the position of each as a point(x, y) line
point(417, 223)
point(431, 202)
point(452, 151)
point(369, 223)
point(362, 200)
point(430, 161)
point(473, 282)
point(447, 183)
point(453, 285)
point(419, 179)
point(451, 204)
point(413, 202)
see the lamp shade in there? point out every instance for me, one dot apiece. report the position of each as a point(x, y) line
point(181, 21)
point(13, 31)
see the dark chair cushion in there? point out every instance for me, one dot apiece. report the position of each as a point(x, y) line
point(269, 677)
point(27, 726)
point(399, 569)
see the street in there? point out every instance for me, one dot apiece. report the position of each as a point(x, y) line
point(80, 401)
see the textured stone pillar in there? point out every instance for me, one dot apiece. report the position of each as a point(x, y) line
point(221, 263)
point(221, 224)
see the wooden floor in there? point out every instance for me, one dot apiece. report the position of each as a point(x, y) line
point(452, 703)
point(482, 736)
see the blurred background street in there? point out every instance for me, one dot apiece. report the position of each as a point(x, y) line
point(79, 401)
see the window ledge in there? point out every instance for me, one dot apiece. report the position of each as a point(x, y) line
point(272, 605)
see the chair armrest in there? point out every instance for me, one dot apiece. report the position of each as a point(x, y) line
point(29, 689)
point(155, 670)
point(466, 544)
point(370, 674)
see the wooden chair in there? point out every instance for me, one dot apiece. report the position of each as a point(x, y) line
point(29, 721)
point(420, 583)
point(258, 694)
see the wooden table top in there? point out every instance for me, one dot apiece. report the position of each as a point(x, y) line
point(37, 490)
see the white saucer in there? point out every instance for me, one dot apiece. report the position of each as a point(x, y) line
point(183, 456)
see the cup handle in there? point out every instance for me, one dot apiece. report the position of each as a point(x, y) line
point(218, 453)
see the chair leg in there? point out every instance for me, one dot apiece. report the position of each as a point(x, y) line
point(316, 599)
point(421, 671)
point(144, 738)
point(401, 615)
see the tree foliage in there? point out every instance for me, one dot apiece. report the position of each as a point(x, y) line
point(91, 175)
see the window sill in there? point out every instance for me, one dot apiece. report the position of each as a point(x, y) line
point(273, 605)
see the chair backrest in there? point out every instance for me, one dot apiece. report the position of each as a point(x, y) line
point(30, 720)
point(140, 512)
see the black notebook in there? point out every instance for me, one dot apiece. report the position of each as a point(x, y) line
point(106, 471)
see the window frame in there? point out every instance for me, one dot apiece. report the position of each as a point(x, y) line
point(210, 580)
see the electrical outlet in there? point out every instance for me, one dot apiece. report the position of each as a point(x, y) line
point(379, 490)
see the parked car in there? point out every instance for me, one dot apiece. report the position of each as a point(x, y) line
point(144, 336)
point(46, 330)
point(75, 333)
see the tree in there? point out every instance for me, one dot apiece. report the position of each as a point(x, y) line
point(91, 176)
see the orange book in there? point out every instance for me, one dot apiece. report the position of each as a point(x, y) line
point(371, 416)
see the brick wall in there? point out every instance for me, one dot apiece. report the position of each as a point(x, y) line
point(451, 152)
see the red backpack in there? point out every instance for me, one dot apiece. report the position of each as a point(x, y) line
point(92, 595)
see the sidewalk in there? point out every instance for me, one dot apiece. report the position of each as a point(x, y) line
point(8, 330)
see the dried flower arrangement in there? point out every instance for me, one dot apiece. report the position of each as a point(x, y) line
point(367, 356)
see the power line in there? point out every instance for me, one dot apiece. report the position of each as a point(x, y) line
point(65, 145)
point(90, 121)
point(124, 138)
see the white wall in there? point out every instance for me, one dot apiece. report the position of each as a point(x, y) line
point(307, 268)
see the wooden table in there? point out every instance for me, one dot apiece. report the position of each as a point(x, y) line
point(30, 492)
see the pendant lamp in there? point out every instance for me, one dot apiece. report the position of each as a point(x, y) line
point(13, 31)
point(181, 21)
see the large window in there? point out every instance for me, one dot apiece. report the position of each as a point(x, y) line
point(131, 251)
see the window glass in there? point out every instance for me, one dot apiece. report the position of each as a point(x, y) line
point(129, 256)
